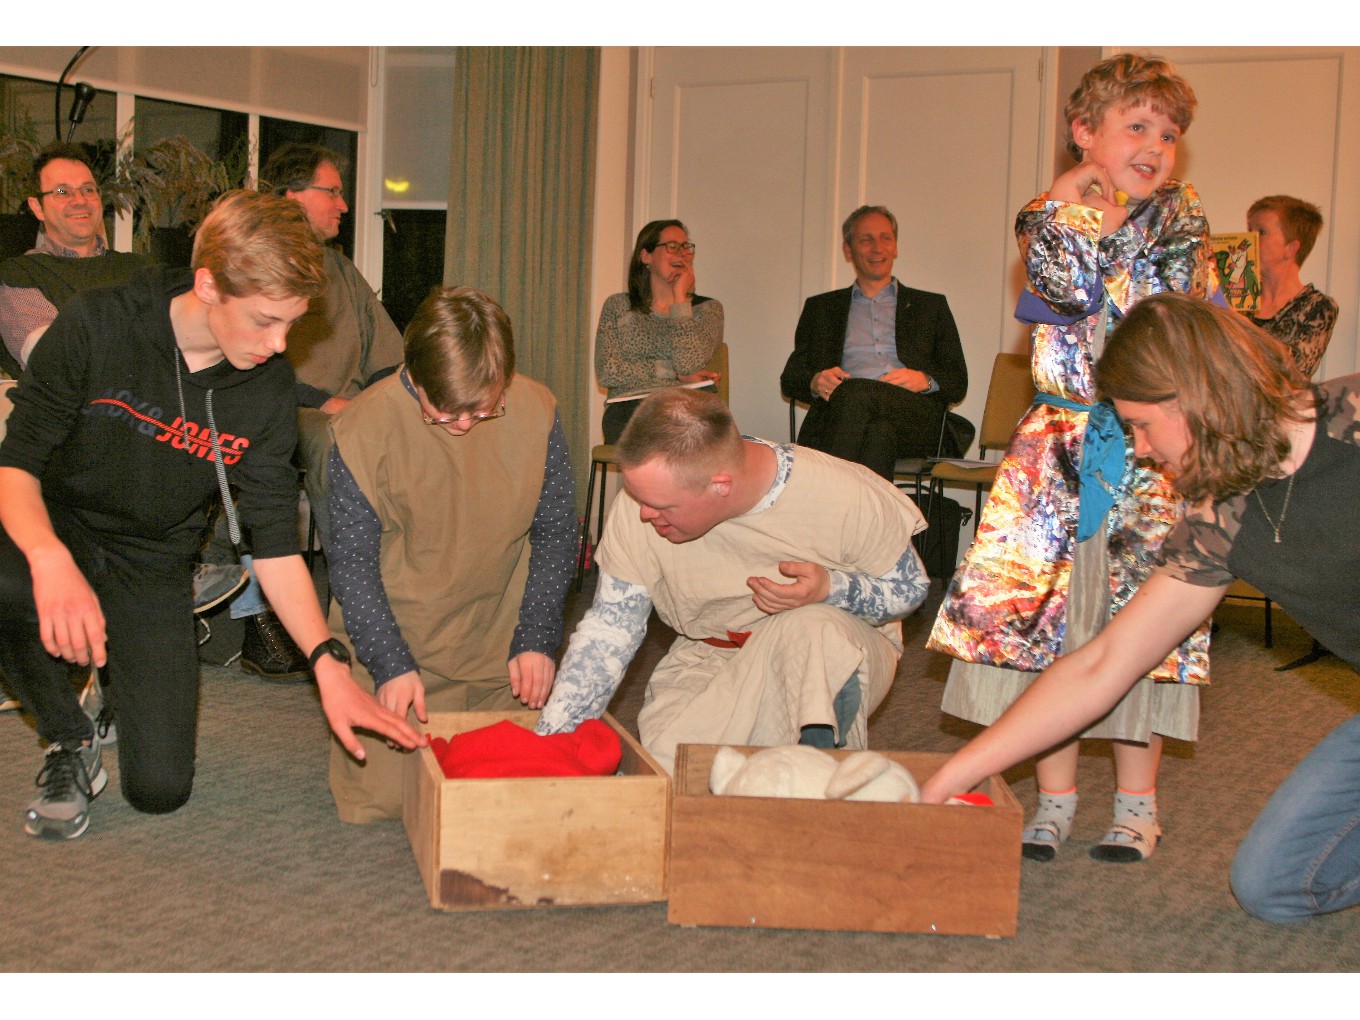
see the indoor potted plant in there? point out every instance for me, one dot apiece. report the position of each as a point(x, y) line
point(169, 186)
point(18, 148)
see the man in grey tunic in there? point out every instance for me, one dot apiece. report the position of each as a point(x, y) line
point(783, 571)
point(346, 341)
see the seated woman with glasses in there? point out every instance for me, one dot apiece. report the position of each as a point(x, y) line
point(454, 523)
point(658, 333)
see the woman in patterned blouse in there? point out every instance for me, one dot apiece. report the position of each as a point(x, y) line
point(1292, 311)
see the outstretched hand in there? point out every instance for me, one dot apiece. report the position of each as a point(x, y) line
point(349, 707)
point(811, 583)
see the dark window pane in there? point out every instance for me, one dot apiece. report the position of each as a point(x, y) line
point(175, 138)
point(413, 259)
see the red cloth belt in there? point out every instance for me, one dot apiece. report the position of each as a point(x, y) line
point(735, 639)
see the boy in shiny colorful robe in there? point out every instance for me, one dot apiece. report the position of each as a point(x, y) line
point(1007, 604)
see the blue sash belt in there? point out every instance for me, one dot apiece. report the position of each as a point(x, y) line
point(1101, 478)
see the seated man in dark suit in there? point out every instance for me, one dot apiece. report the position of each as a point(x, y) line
point(880, 362)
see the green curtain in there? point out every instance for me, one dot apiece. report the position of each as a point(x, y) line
point(521, 197)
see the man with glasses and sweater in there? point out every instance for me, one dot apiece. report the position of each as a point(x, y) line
point(70, 254)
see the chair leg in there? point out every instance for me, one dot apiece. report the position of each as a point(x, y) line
point(604, 484)
point(585, 528)
point(930, 512)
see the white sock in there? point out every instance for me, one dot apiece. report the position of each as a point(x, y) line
point(1134, 832)
point(1051, 822)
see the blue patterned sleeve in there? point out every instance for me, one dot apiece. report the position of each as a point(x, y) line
point(552, 554)
point(601, 647)
point(356, 576)
point(878, 600)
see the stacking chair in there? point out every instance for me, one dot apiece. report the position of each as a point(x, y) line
point(605, 454)
point(1250, 593)
point(914, 470)
point(1009, 394)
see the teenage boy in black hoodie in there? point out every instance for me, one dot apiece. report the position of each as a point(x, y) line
point(142, 402)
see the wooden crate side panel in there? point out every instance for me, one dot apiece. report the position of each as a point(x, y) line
point(1001, 793)
point(636, 760)
point(767, 862)
point(856, 867)
point(530, 842)
point(420, 815)
point(544, 842)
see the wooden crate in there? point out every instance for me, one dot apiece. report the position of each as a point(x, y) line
point(563, 841)
point(764, 862)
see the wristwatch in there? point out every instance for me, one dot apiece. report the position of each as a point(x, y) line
point(330, 647)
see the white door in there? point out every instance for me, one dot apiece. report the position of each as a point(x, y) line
point(763, 151)
point(1282, 120)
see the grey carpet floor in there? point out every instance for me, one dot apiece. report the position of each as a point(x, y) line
point(257, 874)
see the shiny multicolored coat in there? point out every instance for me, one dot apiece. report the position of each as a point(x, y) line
point(1006, 605)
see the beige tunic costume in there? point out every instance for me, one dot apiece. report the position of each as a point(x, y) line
point(456, 513)
point(789, 671)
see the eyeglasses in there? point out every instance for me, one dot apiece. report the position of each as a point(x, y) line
point(676, 247)
point(469, 419)
point(64, 192)
point(333, 192)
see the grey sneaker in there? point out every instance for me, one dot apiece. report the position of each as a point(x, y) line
point(214, 583)
point(99, 710)
point(71, 777)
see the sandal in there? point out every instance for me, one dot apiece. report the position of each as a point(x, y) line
point(1124, 844)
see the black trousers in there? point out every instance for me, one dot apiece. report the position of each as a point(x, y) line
point(145, 593)
point(616, 416)
point(874, 423)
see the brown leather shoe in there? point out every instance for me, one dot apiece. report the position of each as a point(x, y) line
point(268, 651)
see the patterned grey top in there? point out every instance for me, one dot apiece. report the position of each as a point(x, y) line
point(1305, 325)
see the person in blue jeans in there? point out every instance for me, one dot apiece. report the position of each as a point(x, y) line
point(1268, 466)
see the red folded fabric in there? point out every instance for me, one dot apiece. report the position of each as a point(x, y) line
point(974, 799)
point(507, 750)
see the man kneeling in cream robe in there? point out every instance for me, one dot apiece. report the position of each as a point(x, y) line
point(783, 571)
